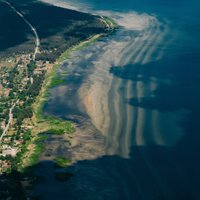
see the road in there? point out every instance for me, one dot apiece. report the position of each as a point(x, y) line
point(33, 29)
point(37, 44)
point(9, 121)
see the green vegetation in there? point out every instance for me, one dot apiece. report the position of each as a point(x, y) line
point(20, 113)
point(53, 79)
point(56, 81)
point(16, 161)
point(56, 132)
point(1, 131)
point(56, 126)
point(33, 159)
point(112, 24)
point(62, 161)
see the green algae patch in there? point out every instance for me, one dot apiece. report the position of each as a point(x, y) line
point(62, 161)
point(56, 81)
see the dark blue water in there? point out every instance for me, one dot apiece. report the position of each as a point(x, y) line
point(152, 149)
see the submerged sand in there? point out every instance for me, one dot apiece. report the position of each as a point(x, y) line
point(105, 84)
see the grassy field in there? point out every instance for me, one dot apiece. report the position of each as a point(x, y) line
point(62, 162)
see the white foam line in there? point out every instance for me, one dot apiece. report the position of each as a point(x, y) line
point(129, 45)
point(154, 46)
point(139, 42)
point(130, 51)
point(129, 122)
point(141, 117)
point(151, 39)
point(136, 44)
point(113, 142)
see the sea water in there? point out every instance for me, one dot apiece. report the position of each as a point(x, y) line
point(143, 82)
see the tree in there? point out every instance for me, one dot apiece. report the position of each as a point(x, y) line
point(1, 131)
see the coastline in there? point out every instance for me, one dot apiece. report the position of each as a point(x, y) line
point(49, 124)
point(42, 128)
point(126, 107)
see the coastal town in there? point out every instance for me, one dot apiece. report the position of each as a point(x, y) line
point(22, 77)
point(29, 67)
point(20, 84)
point(24, 84)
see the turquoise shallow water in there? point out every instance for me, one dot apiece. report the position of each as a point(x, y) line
point(151, 67)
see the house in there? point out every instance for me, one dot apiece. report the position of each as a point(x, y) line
point(9, 151)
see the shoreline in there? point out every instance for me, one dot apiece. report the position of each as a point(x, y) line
point(56, 126)
point(41, 128)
